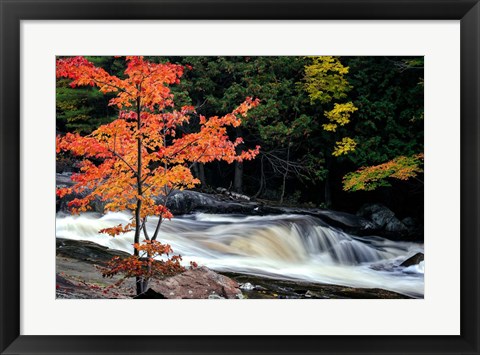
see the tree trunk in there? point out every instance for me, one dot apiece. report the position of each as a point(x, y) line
point(238, 176)
point(262, 179)
point(201, 175)
point(139, 281)
point(195, 170)
point(285, 174)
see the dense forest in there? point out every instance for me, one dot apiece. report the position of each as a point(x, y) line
point(320, 119)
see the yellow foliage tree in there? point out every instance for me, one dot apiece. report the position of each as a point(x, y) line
point(325, 81)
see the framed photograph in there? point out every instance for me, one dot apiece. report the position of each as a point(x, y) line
point(239, 177)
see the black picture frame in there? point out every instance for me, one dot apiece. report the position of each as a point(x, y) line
point(13, 12)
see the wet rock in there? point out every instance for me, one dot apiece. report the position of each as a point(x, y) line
point(269, 288)
point(197, 283)
point(347, 222)
point(396, 226)
point(316, 295)
point(184, 202)
point(409, 222)
point(379, 214)
point(233, 195)
point(384, 220)
point(87, 251)
point(413, 260)
point(247, 286)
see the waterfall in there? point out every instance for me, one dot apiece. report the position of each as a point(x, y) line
point(295, 247)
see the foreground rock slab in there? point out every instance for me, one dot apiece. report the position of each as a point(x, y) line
point(199, 283)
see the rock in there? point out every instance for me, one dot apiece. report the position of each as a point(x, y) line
point(65, 180)
point(247, 286)
point(187, 201)
point(413, 260)
point(395, 226)
point(215, 297)
point(383, 219)
point(80, 280)
point(199, 283)
point(414, 228)
point(270, 288)
point(62, 282)
point(86, 251)
point(379, 214)
point(409, 222)
point(347, 222)
point(232, 194)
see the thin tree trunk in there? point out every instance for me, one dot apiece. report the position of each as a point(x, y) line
point(285, 174)
point(238, 176)
point(196, 173)
point(262, 179)
point(201, 175)
point(138, 280)
point(149, 267)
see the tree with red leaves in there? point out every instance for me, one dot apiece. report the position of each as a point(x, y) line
point(136, 161)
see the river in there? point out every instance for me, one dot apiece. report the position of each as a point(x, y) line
point(292, 247)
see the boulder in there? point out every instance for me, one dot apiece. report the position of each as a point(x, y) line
point(187, 201)
point(383, 219)
point(349, 223)
point(198, 283)
point(413, 260)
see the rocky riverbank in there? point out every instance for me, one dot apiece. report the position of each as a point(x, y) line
point(78, 276)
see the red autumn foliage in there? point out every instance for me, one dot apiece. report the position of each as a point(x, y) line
point(137, 160)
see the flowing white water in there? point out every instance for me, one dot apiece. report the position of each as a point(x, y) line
point(293, 247)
